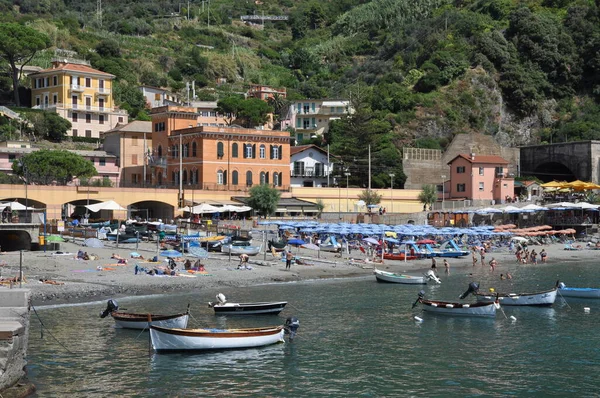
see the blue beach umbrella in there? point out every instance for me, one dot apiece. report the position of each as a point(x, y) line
point(171, 253)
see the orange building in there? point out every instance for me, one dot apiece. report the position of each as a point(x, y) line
point(480, 177)
point(215, 157)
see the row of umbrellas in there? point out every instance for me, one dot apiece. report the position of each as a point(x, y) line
point(530, 208)
point(576, 185)
point(205, 208)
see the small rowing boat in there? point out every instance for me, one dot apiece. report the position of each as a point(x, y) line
point(223, 307)
point(390, 277)
point(129, 320)
point(457, 309)
point(578, 292)
point(544, 298)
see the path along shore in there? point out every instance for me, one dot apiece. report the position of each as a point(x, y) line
point(82, 281)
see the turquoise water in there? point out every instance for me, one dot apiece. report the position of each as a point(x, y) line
point(357, 338)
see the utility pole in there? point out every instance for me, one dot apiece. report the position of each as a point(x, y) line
point(369, 168)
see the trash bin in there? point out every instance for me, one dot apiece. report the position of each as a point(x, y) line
point(42, 239)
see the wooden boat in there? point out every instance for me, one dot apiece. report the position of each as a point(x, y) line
point(240, 247)
point(278, 245)
point(223, 307)
point(390, 277)
point(578, 292)
point(398, 256)
point(179, 339)
point(129, 320)
point(457, 309)
point(544, 298)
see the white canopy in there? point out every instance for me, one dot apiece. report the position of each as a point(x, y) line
point(108, 205)
point(15, 206)
point(563, 204)
point(534, 207)
point(488, 210)
point(238, 209)
point(513, 209)
point(204, 208)
point(586, 206)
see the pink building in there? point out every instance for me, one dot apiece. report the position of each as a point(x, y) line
point(478, 177)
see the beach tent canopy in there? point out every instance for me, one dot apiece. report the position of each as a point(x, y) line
point(513, 209)
point(204, 208)
point(239, 209)
point(108, 205)
point(532, 207)
point(15, 206)
point(488, 210)
point(554, 184)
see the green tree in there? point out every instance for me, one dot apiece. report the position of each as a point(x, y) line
point(18, 45)
point(47, 125)
point(320, 205)
point(249, 113)
point(428, 195)
point(264, 199)
point(370, 197)
point(44, 167)
point(130, 98)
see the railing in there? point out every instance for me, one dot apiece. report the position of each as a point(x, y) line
point(102, 90)
point(158, 162)
point(187, 187)
point(77, 87)
point(78, 107)
point(323, 111)
point(308, 173)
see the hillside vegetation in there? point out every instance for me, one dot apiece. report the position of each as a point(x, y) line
point(418, 72)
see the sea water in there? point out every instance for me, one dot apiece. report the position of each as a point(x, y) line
point(357, 338)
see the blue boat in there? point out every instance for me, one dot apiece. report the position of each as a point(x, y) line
point(447, 249)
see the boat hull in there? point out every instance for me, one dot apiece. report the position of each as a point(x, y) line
point(389, 277)
point(167, 339)
point(459, 309)
point(249, 308)
point(140, 321)
point(580, 292)
point(545, 298)
point(249, 250)
point(398, 256)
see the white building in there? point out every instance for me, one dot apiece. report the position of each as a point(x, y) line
point(310, 167)
point(312, 117)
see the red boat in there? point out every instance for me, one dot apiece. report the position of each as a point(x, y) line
point(398, 256)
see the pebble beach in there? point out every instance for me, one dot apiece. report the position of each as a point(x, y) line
point(72, 281)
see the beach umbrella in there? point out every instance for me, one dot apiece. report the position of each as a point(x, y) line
point(371, 241)
point(170, 253)
point(108, 205)
point(204, 208)
point(15, 206)
point(534, 207)
point(296, 242)
point(426, 242)
point(93, 242)
point(519, 239)
point(198, 252)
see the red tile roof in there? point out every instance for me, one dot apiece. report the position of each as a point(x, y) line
point(481, 159)
point(300, 148)
point(74, 68)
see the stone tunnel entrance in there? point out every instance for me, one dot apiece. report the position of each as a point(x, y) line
point(553, 171)
point(12, 240)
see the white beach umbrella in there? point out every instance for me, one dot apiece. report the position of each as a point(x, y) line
point(108, 205)
point(534, 207)
point(204, 208)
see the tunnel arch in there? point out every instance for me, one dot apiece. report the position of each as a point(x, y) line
point(550, 171)
point(152, 210)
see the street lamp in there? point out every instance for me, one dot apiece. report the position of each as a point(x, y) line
point(347, 174)
point(25, 175)
point(339, 196)
point(392, 175)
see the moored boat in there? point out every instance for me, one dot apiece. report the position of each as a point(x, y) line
point(478, 309)
point(545, 298)
point(398, 256)
point(390, 277)
point(223, 307)
point(130, 320)
point(578, 292)
point(178, 339)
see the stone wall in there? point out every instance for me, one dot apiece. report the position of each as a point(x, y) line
point(14, 335)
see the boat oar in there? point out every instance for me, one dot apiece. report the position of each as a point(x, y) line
point(498, 306)
point(421, 295)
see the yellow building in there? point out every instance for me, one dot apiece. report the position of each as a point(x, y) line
point(78, 93)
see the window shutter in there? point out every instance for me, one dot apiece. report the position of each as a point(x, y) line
point(245, 151)
point(267, 177)
point(225, 177)
point(254, 151)
point(270, 151)
point(280, 152)
point(280, 178)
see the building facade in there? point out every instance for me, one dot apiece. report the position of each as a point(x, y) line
point(265, 92)
point(78, 93)
point(480, 178)
point(156, 96)
point(310, 167)
point(312, 117)
point(132, 145)
point(213, 157)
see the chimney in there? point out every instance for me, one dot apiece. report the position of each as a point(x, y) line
point(472, 156)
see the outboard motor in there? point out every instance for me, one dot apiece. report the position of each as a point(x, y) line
point(111, 306)
point(221, 300)
point(421, 297)
point(430, 275)
point(473, 288)
point(561, 285)
point(291, 326)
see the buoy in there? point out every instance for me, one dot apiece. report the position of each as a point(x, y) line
point(512, 318)
point(586, 310)
point(418, 319)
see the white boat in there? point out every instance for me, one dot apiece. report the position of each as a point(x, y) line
point(457, 309)
point(223, 307)
point(578, 292)
point(390, 277)
point(130, 320)
point(175, 339)
point(241, 247)
point(544, 298)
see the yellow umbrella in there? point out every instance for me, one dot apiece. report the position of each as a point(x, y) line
point(554, 184)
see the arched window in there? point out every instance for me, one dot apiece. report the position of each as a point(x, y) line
point(194, 148)
point(220, 177)
point(159, 151)
point(186, 150)
point(220, 151)
point(267, 177)
point(263, 152)
point(263, 179)
point(249, 178)
point(234, 150)
point(194, 177)
point(234, 178)
point(275, 179)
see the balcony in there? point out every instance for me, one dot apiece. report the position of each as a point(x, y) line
point(308, 172)
point(102, 91)
point(89, 108)
point(155, 161)
point(77, 88)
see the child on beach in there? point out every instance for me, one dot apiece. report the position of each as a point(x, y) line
point(446, 267)
point(543, 255)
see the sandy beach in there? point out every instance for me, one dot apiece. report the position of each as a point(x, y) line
point(81, 281)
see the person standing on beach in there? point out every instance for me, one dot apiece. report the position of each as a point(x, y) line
point(493, 264)
point(446, 267)
point(288, 259)
point(474, 257)
point(433, 263)
point(482, 254)
point(543, 255)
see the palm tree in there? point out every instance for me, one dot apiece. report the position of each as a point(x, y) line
point(428, 196)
